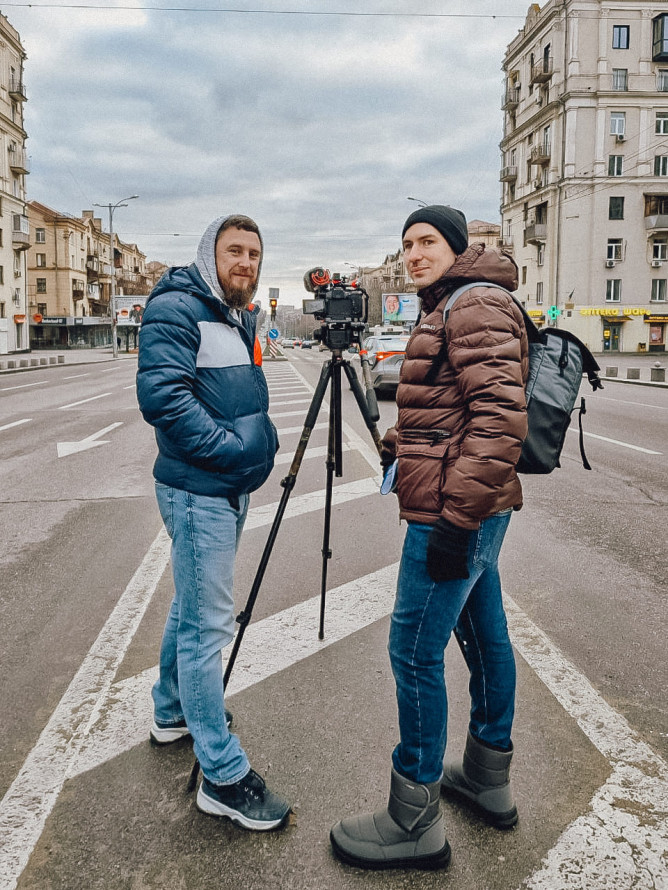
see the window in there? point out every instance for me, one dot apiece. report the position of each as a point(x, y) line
point(615, 165)
point(524, 274)
point(40, 236)
point(661, 125)
point(2, 310)
point(539, 292)
point(616, 208)
point(660, 249)
point(41, 285)
point(41, 308)
point(41, 260)
point(620, 36)
point(656, 205)
point(662, 80)
point(2, 274)
point(540, 254)
point(620, 79)
point(658, 294)
point(617, 123)
point(614, 249)
point(613, 290)
point(661, 165)
point(660, 38)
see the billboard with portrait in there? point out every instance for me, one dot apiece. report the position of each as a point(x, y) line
point(400, 308)
point(129, 310)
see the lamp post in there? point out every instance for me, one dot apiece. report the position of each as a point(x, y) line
point(112, 284)
point(419, 201)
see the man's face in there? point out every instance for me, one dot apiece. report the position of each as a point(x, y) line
point(238, 255)
point(427, 254)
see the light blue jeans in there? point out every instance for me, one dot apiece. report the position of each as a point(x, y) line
point(425, 614)
point(205, 533)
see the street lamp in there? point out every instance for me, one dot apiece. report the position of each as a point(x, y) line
point(419, 201)
point(112, 285)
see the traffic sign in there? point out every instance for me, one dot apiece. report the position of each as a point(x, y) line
point(274, 334)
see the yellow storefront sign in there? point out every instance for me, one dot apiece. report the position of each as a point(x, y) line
point(609, 311)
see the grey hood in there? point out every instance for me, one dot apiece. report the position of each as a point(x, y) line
point(206, 257)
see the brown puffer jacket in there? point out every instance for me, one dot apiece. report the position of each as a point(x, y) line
point(462, 410)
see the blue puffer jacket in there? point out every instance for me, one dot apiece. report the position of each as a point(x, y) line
point(198, 385)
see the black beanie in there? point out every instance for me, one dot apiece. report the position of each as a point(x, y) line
point(450, 223)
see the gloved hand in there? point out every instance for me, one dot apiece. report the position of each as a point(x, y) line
point(388, 450)
point(447, 551)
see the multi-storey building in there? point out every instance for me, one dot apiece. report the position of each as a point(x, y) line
point(585, 169)
point(69, 278)
point(14, 165)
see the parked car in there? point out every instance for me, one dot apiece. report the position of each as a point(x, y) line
point(386, 355)
point(307, 344)
point(288, 343)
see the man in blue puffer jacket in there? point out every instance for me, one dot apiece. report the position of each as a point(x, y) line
point(199, 386)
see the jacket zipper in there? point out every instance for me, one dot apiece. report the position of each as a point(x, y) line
point(434, 437)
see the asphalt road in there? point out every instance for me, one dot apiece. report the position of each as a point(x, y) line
point(87, 803)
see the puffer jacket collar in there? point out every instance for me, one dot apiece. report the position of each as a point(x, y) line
point(476, 263)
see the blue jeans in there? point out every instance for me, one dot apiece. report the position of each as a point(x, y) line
point(205, 533)
point(425, 614)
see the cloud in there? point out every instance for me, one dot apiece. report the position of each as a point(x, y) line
point(319, 126)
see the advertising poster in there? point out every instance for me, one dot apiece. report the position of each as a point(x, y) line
point(400, 308)
point(129, 310)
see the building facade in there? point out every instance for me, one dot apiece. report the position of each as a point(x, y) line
point(69, 278)
point(14, 166)
point(585, 169)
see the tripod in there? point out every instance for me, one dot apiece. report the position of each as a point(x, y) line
point(330, 375)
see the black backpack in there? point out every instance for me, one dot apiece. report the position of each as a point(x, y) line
point(557, 361)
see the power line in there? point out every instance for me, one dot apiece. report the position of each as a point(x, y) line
point(291, 12)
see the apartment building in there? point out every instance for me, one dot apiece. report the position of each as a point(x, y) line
point(585, 169)
point(14, 166)
point(69, 278)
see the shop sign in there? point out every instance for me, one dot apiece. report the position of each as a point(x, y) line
point(656, 319)
point(535, 313)
point(54, 319)
point(613, 310)
point(37, 318)
point(19, 319)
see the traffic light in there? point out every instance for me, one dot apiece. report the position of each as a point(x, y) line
point(273, 303)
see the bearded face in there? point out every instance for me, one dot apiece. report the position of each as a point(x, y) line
point(238, 255)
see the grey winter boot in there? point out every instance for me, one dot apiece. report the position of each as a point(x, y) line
point(483, 780)
point(408, 834)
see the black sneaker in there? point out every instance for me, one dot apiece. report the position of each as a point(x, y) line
point(248, 802)
point(166, 733)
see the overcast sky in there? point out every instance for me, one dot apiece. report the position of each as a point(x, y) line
point(317, 125)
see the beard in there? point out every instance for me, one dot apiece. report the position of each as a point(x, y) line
point(239, 297)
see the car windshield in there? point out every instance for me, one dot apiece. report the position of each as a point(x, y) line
point(393, 345)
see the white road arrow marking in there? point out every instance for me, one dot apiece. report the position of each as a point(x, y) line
point(65, 448)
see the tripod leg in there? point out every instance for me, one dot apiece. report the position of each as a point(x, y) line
point(288, 483)
point(369, 418)
point(334, 464)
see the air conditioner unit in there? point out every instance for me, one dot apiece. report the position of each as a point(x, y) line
point(537, 183)
point(656, 264)
point(620, 137)
point(609, 264)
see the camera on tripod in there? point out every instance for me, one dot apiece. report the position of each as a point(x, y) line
point(340, 305)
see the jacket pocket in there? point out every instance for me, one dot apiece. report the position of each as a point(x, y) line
point(421, 473)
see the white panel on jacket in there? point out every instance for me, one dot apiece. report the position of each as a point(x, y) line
point(221, 346)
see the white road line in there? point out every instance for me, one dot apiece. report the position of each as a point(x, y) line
point(629, 402)
point(33, 794)
point(292, 402)
point(132, 386)
point(83, 401)
point(622, 841)
point(616, 442)
point(22, 386)
point(297, 429)
point(8, 426)
point(74, 376)
point(300, 413)
point(310, 452)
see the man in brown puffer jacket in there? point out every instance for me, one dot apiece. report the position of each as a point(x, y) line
point(462, 420)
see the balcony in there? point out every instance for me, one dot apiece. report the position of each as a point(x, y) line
point(656, 222)
point(92, 264)
point(535, 233)
point(77, 294)
point(540, 154)
point(20, 231)
point(543, 71)
point(508, 174)
point(18, 160)
point(512, 99)
point(506, 245)
point(16, 89)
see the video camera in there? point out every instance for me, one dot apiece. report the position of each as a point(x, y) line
point(340, 305)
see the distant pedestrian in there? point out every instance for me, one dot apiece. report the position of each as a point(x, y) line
point(199, 385)
point(462, 419)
